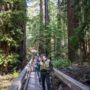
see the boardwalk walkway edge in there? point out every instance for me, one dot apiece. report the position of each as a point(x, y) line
point(22, 78)
point(21, 82)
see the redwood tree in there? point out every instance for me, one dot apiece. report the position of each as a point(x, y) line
point(72, 24)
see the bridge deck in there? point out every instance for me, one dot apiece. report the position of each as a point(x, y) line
point(34, 82)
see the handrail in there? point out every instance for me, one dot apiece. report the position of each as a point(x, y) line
point(17, 84)
point(70, 82)
point(25, 74)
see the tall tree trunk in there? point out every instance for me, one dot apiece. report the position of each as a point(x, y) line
point(48, 36)
point(58, 39)
point(41, 38)
point(21, 50)
point(46, 13)
point(72, 23)
point(23, 42)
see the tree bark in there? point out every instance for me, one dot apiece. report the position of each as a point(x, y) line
point(72, 23)
point(48, 36)
point(41, 37)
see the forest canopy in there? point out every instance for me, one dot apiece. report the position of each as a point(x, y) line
point(58, 28)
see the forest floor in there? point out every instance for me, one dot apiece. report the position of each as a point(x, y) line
point(80, 72)
point(6, 80)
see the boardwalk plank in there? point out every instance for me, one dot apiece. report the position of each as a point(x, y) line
point(34, 82)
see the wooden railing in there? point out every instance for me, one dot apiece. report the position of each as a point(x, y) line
point(70, 82)
point(21, 82)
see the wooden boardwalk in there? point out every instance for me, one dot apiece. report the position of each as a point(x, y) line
point(34, 82)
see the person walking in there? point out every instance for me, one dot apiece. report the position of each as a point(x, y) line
point(37, 67)
point(45, 69)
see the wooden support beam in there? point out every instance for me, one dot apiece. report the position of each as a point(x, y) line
point(70, 82)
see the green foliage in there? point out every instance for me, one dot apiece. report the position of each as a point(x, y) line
point(15, 73)
point(9, 59)
point(52, 34)
point(10, 32)
point(12, 26)
point(61, 63)
point(74, 41)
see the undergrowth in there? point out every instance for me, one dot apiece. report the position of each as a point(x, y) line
point(61, 63)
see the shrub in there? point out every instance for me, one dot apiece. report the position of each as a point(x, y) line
point(61, 63)
point(11, 58)
point(8, 63)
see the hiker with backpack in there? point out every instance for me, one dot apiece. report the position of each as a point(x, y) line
point(45, 69)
